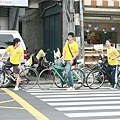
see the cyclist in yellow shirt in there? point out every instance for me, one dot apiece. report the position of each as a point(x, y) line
point(15, 59)
point(112, 54)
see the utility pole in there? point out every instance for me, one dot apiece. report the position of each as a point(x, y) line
point(77, 21)
point(79, 25)
point(82, 28)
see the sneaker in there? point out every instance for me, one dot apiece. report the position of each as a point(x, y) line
point(16, 88)
point(70, 89)
point(113, 88)
point(79, 81)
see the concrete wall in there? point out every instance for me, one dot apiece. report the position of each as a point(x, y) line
point(32, 31)
point(67, 26)
point(12, 13)
point(3, 23)
point(32, 26)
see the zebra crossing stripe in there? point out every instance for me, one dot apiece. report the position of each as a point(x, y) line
point(34, 90)
point(80, 99)
point(65, 96)
point(71, 92)
point(117, 107)
point(91, 114)
point(108, 119)
point(84, 103)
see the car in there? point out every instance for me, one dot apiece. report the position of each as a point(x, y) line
point(6, 39)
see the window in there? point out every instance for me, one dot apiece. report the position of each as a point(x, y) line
point(5, 41)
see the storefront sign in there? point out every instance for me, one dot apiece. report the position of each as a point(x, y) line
point(21, 3)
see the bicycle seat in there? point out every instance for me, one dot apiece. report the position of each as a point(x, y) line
point(5, 62)
point(80, 61)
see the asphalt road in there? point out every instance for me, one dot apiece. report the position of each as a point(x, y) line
point(59, 104)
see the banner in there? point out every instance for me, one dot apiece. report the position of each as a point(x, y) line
point(20, 3)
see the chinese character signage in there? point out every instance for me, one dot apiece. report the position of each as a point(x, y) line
point(21, 3)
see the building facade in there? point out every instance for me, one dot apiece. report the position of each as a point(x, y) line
point(10, 11)
point(45, 23)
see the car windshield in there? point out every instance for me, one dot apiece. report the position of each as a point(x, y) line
point(5, 41)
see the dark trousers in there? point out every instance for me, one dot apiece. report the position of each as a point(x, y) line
point(112, 70)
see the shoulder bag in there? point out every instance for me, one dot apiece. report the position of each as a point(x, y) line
point(8, 60)
point(75, 60)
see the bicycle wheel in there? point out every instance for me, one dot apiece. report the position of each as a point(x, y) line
point(28, 78)
point(77, 75)
point(46, 79)
point(59, 83)
point(86, 71)
point(4, 81)
point(118, 78)
point(95, 79)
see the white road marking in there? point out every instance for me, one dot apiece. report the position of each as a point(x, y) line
point(80, 99)
point(65, 96)
point(84, 103)
point(117, 107)
point(91, 114)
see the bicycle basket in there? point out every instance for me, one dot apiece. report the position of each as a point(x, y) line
point(58, 61)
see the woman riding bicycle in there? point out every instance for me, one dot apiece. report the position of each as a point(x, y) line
point(15, 59)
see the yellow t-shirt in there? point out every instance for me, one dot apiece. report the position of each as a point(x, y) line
point(111, 53)
point(15, 54)
point(73, 47)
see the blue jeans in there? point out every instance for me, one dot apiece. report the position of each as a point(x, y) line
point(68, 68)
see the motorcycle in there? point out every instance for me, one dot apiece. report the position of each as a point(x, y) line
point(37, 60)
point(40, 60)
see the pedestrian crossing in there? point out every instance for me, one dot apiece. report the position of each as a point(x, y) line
point(83, 104)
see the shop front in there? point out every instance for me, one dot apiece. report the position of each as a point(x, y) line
point(101, 22)
point(98, 32)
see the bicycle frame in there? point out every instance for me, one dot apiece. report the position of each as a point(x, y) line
point(55, 69)
point(106, 73)
point(5, 69)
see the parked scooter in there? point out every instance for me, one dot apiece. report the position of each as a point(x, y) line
point(38, 60)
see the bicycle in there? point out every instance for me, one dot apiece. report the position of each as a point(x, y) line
point(85, 69)
point(118, 76)
point(50, 76)
point(28, 76)
point(99, 75)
